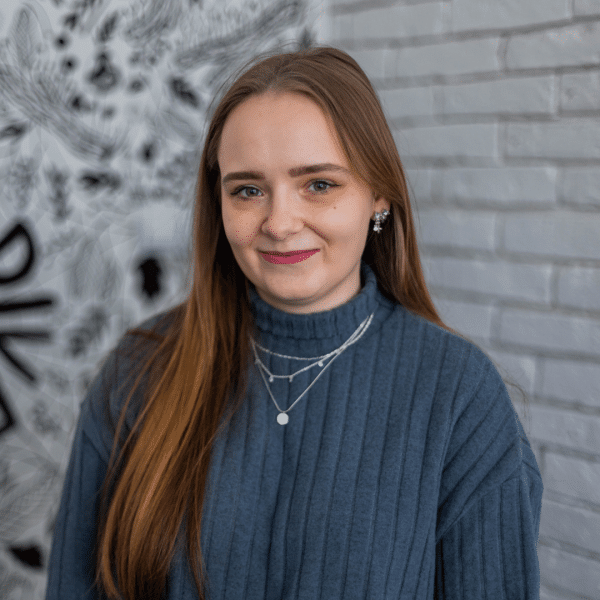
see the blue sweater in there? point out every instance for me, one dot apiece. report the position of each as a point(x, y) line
point(403, 473)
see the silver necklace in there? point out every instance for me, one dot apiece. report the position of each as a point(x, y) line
point(282, 417)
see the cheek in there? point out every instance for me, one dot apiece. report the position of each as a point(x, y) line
point(240, 229)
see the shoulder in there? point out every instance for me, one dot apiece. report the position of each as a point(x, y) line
point(440, 350)
point(115, 375)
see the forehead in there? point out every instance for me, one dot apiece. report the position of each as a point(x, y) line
point(276, 125)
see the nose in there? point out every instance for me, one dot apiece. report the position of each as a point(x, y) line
point(284, 216)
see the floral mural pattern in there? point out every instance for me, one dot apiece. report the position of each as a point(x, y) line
point(103, 107)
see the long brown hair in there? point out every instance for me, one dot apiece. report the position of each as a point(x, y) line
point(201, 360)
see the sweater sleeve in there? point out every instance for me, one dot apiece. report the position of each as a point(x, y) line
point(71, 568)
point(490, 501)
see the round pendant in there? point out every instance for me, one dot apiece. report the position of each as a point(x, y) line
point(282, 419)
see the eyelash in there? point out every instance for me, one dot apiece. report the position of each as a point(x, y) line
point(243, 187)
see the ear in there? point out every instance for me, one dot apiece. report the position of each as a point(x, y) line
point(381, 204)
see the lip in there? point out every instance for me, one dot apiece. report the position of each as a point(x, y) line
point(288, 259)
point(292, 253)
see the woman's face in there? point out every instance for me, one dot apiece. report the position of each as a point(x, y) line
point(275, 206)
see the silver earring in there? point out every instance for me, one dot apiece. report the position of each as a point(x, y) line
point(379, 219)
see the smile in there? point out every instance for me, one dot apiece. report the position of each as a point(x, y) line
point(287, 260)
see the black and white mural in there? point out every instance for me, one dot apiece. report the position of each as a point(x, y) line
point(102, 118)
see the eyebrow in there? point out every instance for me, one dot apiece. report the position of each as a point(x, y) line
point(293, 172)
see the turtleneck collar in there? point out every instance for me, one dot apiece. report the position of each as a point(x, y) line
point(321, 329)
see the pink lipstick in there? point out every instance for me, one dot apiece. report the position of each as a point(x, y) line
point(287, 260)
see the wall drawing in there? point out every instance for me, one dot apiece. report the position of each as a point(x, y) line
point(102, 116)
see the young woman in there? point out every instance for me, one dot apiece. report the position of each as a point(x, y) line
point(307, 426)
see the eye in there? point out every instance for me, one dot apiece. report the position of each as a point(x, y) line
point(238, 191)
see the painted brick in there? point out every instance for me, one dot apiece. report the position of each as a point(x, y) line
point(399, 21)
point(533, 95)
point(455, 58)
point(408, 102)
point(573, 45)
point(567, 428)
point(580, 186)
point(558, 233)
point(572, 381)
point(508, 184)
point(497, 278)
point(459, 228)
point(370, 61)
point(548, 595)
point(471, 320)
point(520, 369)
point(567, 571)
point(580, 91)
point(586, 7)
point(452, 141)
point(572, 476)
point(550, 331)
point(342, 27)
point(566, 139)
point(493, 14)
point(419, 184)
point(579, 287)
point(571, 524)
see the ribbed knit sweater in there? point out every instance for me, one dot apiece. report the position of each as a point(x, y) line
point(404, 472)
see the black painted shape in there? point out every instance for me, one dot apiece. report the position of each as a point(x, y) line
point(108, 28)
point(182, 90)
point(80, 338)
point(68, 63)
point(34, 335)
point(96, 181)
point(15, 130)
point(136, 85)
point(30, 555)
point(79, 103)
point(62, 41)
point(148, 152)
point(8, 416)
point(104, 76)
point(151, 277)
point(18, 231)
point(71, 20)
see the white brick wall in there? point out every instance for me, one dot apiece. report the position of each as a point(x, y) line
point(455, 58)
point(492, 14)
point(505, 185)
point(551, 332)
point(572, 524)
point(556, 233)
point(458, 228)
point(587, 7)
point(579, 287)
point(494, 278)
point(580, 91)
point(453, 141)
point(571, 381)
point(495, 109)
point(530, 95)
point(570, 572)
point(399, 21)
point(566, 139)
point(570, 46)
point(580, 186)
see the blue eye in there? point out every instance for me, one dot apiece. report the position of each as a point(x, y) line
point(238, 191)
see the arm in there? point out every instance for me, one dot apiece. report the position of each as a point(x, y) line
point(71, 568)
point(491, 551)
point(490, 498)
